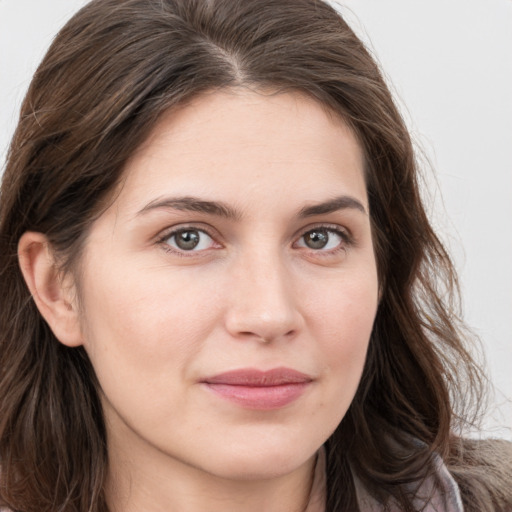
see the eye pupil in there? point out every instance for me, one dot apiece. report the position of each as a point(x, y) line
point(316, 239)
point(187, 240)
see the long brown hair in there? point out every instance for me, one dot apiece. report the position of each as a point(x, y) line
point(110, 73)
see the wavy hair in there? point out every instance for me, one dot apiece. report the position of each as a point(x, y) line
point(109, 75)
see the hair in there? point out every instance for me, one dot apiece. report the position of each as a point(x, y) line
point(109, 75)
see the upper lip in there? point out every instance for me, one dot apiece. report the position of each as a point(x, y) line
point(261, 378)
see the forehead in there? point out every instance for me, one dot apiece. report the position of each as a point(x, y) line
point(245, 144)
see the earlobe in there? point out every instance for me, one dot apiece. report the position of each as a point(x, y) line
point(54, 296)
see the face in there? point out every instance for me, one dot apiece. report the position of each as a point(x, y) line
point(229, 292)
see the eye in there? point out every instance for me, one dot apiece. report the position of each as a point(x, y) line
point(189, 239)
point(322, 239)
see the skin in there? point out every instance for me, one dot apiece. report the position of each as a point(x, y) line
point(156, 320)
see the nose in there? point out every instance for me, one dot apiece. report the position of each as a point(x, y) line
point(263, 305)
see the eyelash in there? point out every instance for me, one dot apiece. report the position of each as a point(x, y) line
point(163, 239)
point(345, 243)
point(346, 240)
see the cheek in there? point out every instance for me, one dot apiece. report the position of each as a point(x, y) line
point(144, 330)
point(145, 320)
point(342, 319)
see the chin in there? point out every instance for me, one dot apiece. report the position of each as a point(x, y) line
point(260, 461)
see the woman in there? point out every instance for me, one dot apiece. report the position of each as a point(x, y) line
point(217, 287)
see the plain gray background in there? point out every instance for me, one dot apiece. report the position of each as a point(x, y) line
point(449, 64)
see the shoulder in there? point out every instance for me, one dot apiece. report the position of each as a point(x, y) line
point(483, 471)
point(438, 492)
point(486, 452)
point(475, 477)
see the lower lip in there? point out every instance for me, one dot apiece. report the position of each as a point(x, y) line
point(260, 397)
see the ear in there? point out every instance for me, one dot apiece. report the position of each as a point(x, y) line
point(53, 293)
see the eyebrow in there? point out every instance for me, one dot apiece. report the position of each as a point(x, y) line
point(333, 205)
point(220, 209)
point(193, 204)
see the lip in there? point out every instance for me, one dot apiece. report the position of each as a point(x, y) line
point(261, 390)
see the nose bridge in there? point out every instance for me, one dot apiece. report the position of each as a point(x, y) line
point(262, 300)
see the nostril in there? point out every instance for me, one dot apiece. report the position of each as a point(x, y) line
point(263, 314)
point(266, 338)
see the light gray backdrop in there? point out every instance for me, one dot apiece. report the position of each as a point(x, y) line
point(450, 66)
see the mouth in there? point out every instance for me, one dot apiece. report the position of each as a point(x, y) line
point(259, 390)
